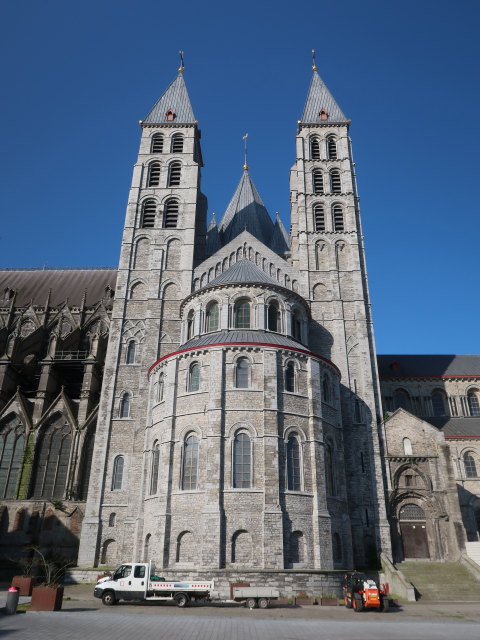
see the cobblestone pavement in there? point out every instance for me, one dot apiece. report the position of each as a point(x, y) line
point(85, 618)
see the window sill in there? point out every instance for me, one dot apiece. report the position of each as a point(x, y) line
point(307, 494)
point(242, 490)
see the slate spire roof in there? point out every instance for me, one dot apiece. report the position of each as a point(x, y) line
point(213, 237)
point(318, 98)
point(246, 211)
point(281, 239)
point(175, 98)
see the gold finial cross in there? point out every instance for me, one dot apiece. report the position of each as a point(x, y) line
point(181, 67)
point(245, 165)
point(314, 66)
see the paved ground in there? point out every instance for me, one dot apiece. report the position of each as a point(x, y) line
point(85, 618)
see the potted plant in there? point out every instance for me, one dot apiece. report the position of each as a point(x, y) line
point(304, 599)
point(48, 596)
point(26, 581)
point(328, 600)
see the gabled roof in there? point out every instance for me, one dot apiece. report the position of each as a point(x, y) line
point(428, 366)
point(246, 211)
point(319, 97)
point(241, 272)
point(175, 98)
point(281, 239)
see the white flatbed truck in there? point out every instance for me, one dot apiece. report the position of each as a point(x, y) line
point(137, 581)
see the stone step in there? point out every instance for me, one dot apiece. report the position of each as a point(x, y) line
point(442, 580)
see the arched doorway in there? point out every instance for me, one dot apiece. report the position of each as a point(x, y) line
point(413, 529)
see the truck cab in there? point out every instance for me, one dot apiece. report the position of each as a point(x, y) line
point(128, 582)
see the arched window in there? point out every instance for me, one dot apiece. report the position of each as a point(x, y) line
point(407, 447)
point(296, 326)
point(314, 149)
point(273, 316)
point(190, 325)
point(117, 476)
point(401, 400)
point(438, 404)
point(242, 371)
point(335, 181)
point(131, 350)
point(470, 466)
point(330, 470)
point(331, 148)
point(177, 143)
point(294, 480)
point(149, 208)
point(112, 519)
point(174, 174)
point(411, 512)
point(212, 317)
point(154, 469)
point(12, 446)
point(242, 314)
point(338, 221)
point(317, 181)
point(153, 174)
point(194, 377)
point(473, 402)
point(290, 377)
point(319, 217)
point(161, 387)
point(170, 218)
point(125, 406)
point(326, 388)
point(190, 463)
point(242, 461)
point(157, 143)
point(53, 456)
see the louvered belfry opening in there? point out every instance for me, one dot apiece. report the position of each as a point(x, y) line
point(335, 182)
point(171, 214)
point(174, 174)
point(177, 143)
point(148, 214)
point(315, 149)
point(157, 143)
point(317, 181)
point(338, 223)
point(154, 174)
point(332, 148)
point(319, 217)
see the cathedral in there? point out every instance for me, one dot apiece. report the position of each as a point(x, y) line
point(216, 403)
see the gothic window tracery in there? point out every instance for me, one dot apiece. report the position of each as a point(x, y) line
point(12, 446)
point(52, 459)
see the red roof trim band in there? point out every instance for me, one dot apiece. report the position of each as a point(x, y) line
point(427, 376)
point(462, 437)
point(249, 344)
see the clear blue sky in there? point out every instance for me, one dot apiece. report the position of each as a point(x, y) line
point(77, 77)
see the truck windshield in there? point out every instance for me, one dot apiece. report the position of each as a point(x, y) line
point(122, 572)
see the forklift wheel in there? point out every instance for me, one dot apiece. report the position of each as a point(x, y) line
point(358, 604)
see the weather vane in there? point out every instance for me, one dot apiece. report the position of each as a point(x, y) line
point(245, 165)
point(181, 67)
point(314, 65)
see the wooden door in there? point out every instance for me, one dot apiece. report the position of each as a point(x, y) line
point(414, 540)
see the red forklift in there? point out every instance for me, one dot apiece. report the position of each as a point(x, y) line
point(360, 593)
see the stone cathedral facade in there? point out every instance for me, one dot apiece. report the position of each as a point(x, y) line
point(215, 403)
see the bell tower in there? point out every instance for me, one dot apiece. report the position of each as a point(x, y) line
point(327, 249)
point(163, 240)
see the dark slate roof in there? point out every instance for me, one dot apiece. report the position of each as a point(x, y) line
point(457, 427)
point(246, 211)
point(281, 239)
point(243, 335)
point(213, 237)
point(319, 97)
point(34, 285)
point(176, 98)
point(428, 366)
point(243, 271)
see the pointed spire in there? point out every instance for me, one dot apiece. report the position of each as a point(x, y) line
point(320, 105)
point(246, 211)
point(213, 237)
point(281, 239)
point(174, 105)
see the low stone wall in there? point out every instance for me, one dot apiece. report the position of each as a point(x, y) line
point(288, 582)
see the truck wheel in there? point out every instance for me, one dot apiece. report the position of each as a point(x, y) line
point(108, 598)
point(263, 603)
point(358, 603)
point(250, 603)
point(181, 600)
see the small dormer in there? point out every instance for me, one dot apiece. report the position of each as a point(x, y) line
point(170, 115)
